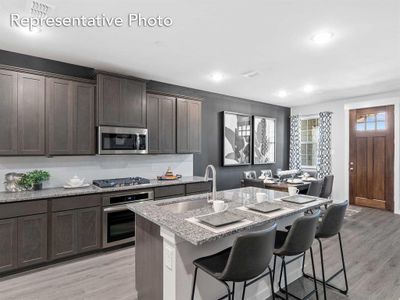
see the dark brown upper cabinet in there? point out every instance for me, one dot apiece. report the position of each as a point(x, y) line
point(121, 101)
point(8, 112)
point(22, 114)
point(70, 117)
point(161, 123)
point(188, 125)
point(31, 114)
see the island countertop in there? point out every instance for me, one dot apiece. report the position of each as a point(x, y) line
point(161, 214)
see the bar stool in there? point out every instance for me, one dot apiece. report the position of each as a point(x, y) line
point(296, 242)
point(330, 226)
point(246, 259)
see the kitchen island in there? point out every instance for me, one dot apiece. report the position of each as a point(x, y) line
point(169, 238)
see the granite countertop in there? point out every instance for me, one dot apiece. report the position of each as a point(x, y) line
point(159, 213)
point(6, 197)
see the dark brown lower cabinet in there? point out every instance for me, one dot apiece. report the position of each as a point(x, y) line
point(89, 229)
point(23, 241)
point(32, 240)
point(63, 236)
point(75, 231)
point(8, 244)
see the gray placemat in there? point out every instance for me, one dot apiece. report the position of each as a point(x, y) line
point(220, 219)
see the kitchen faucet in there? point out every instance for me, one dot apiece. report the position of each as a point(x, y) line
point(214, 180)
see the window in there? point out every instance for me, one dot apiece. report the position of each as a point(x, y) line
point(309, 142)
point(370, 122)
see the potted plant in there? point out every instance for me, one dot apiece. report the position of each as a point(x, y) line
point(34, 180)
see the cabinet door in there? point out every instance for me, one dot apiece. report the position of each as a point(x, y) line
point(8, 244)
point(167, 125)
point(194, 116)
point(133, 108)
point(64, 229)
point(188, 126)
point(89, 230)
point(182, 124)
point(84, 128)
point(153, 123)
point(109, 100)
point(32, 240)
point(60, 113)
point(31, 114)
point(8, 112)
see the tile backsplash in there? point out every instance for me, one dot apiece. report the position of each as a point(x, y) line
point(98, 167)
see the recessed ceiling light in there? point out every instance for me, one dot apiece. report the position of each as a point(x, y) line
point(322, 37)
point(308, 88)
point(282, 94)
point(217, 76)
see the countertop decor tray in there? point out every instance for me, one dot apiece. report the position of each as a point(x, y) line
point(264, 207)
point(299, 199)
point(220, 219)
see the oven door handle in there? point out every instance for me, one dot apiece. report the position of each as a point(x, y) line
point(116, 208)
point(121, 207)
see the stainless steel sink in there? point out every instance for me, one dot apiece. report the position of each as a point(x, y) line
point(184, 206)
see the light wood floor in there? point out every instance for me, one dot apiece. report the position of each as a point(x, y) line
point(372, 250)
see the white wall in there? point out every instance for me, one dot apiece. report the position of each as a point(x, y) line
point(340, 135)
point(98, 167)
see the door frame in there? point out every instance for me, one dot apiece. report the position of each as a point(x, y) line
point(375, 103)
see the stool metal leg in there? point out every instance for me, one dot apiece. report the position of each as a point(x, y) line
point(322, 267)
point(315, 278)
point(326, 282)
point(233, 290)
point(272, 283)
point(194, 282)
point(228, 289)
point(344, 265)
point(286, 287)
point(244, 290)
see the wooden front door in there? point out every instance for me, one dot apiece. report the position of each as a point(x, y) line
point(372, 157)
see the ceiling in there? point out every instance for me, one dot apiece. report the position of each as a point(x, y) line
point(271, 37)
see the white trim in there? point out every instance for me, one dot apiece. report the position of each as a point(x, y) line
point(309, 117)
point(374, 103)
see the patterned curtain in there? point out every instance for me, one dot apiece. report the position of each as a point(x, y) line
point(294, 153)
point(324, 157)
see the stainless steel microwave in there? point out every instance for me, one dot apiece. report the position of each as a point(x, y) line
point(120, 140)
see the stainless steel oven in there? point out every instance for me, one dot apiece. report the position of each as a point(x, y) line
point(120, 140)
point(118, 220)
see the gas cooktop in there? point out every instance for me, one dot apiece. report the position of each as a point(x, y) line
point(119, 182)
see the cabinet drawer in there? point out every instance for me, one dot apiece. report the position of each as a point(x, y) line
point(24, 208)
point(68, 203)
point(169, 191)
point(198, 188)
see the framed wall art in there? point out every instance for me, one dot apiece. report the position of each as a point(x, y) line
point(237, 135)
point(263, 140)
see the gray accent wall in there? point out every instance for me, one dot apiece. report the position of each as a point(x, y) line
point(213, 106)
point(212, 131)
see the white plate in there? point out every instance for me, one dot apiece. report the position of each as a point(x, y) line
point(309, 179)
point(294, 181)
point(76, 187)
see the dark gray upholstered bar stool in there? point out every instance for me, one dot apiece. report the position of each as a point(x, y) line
point(296, 242)
point(248, 258)
point(329, 227)
point(315, 188)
